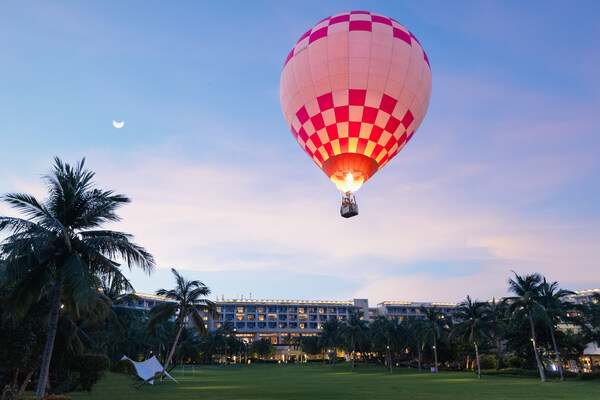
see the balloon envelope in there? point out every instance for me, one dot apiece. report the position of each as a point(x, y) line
point(353, 90)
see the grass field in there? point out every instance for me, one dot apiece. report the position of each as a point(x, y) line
point(310, 381)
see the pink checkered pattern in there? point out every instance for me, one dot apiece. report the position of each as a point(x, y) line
point(357, 82)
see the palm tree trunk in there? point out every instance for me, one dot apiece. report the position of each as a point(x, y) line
point(477, 358)
point(389, 356)
point(537, 356)
point(334, 355)
point(499, 361)
point(51, 335)
point(25, 382)
point(353, 351)
point(467, 365)
point(560, 368)
point(435, 354)
point(419, 356)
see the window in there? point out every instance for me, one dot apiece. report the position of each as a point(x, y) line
point(302, 325)
point(320, 326)
point(261, 317)
point(261, 325)
point(321, 310)
point(239, 325)
point(250, 317)
point(342, 310)
point(251, 325)
point(218, 308)
point(251, 309)
point(342, 317)
point(282, 317)
point(301, 310)
point(272, 309)
point(282, 309)
point(272, 317)
point(218, 325)
point(312, 309)
point(312, 317)
point(229, 317)
point(293, 317)
point(303, 317)
point(293, 309)
point(261, 309)
point(331, 310)
point(229, 309)
point(322, 317)
point(240, 317)
point(282, 325)
point(240, 309)
point(293, 325)
point(313, 325)
point(272, 325)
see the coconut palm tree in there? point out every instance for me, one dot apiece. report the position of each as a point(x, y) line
point(354, 334)
point(185, 301)
point(436, 326)
point(552, 299)
point(386, 334)
point(471, 325)
point(58, 250)
point(329, 337)
point(526, 304)
point(498, 324)
point(415, 329)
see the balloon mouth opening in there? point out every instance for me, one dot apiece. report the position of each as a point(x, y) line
point(348, 171)
point(348, 181)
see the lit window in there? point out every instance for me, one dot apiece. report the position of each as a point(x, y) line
point(240, 309)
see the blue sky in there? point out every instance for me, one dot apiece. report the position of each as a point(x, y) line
point(502, 175)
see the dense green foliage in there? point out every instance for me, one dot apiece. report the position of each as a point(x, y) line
point(89, 367)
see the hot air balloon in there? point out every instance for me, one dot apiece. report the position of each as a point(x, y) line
point(353, 90)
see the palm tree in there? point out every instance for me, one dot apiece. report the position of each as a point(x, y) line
point(329, 337)
point(471, 325)
point(526, 303)
point(552, 299)
point(435, 326)
point(415, 329)
point(386, 333)
point(185, 301)
point(496, 313)
point(353, 334)
point(58, 250)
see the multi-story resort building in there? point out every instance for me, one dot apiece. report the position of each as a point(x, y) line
point(280, 320)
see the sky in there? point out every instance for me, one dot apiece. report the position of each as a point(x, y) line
point(503, 174)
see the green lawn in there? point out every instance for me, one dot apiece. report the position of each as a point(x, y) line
point(310, 381)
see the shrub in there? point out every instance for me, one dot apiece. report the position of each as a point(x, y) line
point(89, 367)
point(488, 362)
point(48, 397)
point(515, 362)
point(589, 376)
point(528, 372)
point(125, 367)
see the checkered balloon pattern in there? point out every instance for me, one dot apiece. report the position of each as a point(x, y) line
point(354, 89)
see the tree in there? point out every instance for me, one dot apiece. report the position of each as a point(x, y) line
point(185, 301)
point(552, 299)
point(58, 249)
point(263, 348)
point(498, 324)
point(416, 332)
point(435, 327)
point(471, 325)
point(329, 337)
point(385, 334)
point(526, 303)
point(353, 334)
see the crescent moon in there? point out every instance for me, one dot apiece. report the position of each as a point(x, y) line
point(118, 125)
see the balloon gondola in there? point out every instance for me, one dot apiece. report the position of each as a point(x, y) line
point(353, 90)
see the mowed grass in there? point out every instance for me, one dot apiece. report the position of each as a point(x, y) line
point(317, 381)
